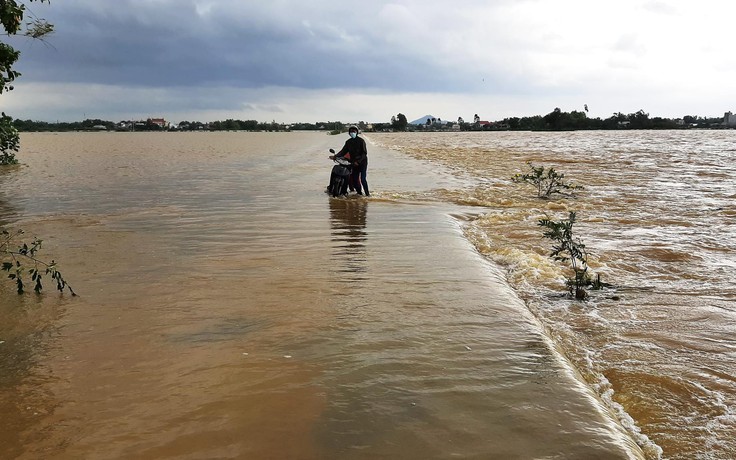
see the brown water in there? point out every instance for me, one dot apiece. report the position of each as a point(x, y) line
point(229, 309)
point(657, 216)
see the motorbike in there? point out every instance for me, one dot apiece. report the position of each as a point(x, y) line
point(339, 177)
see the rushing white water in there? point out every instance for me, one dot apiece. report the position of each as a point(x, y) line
point(657, 216)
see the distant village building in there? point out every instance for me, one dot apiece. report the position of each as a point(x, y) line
point(160, 122)
point(729, 120)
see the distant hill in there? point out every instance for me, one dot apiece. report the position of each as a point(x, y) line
point(423, 120)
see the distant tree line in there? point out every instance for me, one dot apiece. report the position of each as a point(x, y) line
point(150, 125)
point(86, 125)
point(557, 120)
point(145, 125)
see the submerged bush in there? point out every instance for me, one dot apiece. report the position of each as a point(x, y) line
point(569, 248)
point(547, 181)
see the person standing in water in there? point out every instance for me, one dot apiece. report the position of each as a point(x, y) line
point(355, 146)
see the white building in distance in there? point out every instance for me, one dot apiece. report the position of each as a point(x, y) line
point(729, 120)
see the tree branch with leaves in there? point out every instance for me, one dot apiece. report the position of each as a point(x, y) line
point(19, 260)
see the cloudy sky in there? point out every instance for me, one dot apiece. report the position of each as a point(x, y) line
point(320, 60)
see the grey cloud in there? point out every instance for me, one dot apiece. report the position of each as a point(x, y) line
point(262, 108)
point(281, 43)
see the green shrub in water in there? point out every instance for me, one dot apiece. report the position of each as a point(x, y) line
point(569, 248)
point(547, 181)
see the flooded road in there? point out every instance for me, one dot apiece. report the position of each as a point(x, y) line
point(230, 309)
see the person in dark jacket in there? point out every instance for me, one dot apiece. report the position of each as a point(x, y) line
point(355, 146)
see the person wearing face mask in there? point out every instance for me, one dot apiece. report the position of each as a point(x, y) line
point(358, 154)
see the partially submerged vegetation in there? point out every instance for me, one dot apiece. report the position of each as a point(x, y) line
point(547, 181)
point(568, 248)
point(20, 260)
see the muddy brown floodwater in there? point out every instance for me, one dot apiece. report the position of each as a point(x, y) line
point(228, 308)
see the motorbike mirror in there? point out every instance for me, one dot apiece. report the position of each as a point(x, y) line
point(332, 150)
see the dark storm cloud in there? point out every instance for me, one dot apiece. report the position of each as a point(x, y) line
point(166, 43)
